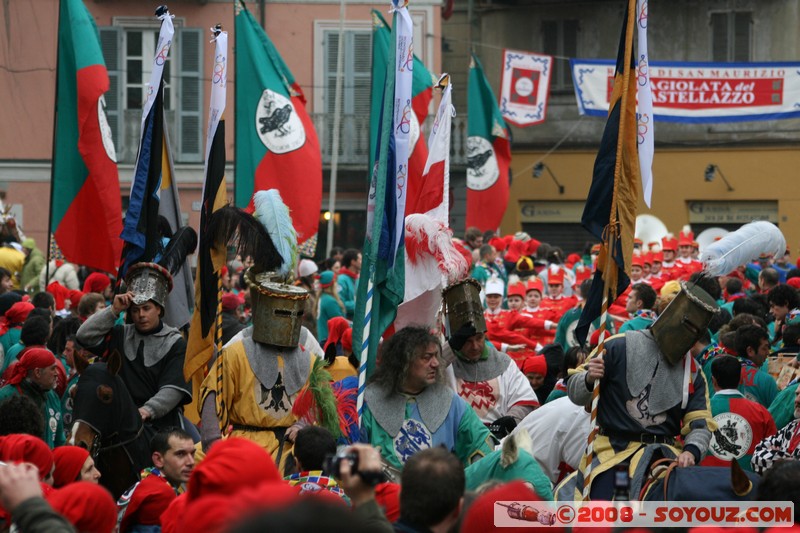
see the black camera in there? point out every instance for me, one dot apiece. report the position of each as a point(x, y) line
point(333, 466)
point(333, 463)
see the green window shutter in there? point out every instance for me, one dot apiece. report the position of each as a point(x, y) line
point(188, 146)
point(742, 25)
point(111, 44)
point(719, 37)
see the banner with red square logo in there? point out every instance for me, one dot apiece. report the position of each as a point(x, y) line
point(525, 87)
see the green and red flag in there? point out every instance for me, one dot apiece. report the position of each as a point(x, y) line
point(276, 144)
point(421, 95)
point(488, 154)
point(86, 205)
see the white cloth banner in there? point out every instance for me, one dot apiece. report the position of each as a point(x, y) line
point(644, 116)
point(699, 92)
point(525, 87)
point(219, 80)
point(403, 111)
point(162, 53)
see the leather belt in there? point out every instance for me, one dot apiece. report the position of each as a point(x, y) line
point(645, 438)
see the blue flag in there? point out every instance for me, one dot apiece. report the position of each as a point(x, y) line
point(141, 232)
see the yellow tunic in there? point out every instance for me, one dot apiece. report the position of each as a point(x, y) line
point(243, 401)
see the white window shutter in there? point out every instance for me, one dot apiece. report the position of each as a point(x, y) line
point(111, 45)
point(189, 102)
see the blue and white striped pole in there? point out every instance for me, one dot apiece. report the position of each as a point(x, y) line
point(362, 367)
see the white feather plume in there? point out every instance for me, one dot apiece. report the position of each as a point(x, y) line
point(426, 235)
point(742, 246)
point(274, 215)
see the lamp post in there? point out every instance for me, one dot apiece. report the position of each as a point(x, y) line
point(540, 167)
point(710, 174)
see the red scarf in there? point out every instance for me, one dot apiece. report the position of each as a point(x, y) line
point(348, 272)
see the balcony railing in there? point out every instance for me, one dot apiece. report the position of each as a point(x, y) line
point(353, 144)
point(354, 138)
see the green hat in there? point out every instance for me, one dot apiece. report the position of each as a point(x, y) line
point(326, 279)
point(29, 243)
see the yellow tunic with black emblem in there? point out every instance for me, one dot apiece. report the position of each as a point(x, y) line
point(256, 386)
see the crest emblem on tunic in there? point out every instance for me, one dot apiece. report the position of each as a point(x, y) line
point(481, 395)
point(277, 123)
point(412, 437)
point(639, 409)
point(274, 401)
point(732, 438)
point(482, 169)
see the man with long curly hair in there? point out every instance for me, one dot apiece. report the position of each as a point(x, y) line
point(408, 407)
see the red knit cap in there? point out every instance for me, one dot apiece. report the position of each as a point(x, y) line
point(96, 282)
point(87, 506)
point(30, 358)
point(231, 464)
point(347, 340)
point(19, 448)
point(388, 497)
point(498, 243)
point(336, 328)
point(69, 462)
point(228, 508)
point(18, 313)
point(230, 302)
point(535, 364)
point(75, 297)
point(60, 294)
point(480, 515)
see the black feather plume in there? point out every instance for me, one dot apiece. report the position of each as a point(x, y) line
point(182, 243)
point(253, 239)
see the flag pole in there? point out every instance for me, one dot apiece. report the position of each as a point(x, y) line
point(337, 118)
point(53, 156)
point(612, 235)
point(362, 366)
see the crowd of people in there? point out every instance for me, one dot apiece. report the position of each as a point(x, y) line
point(494, 408)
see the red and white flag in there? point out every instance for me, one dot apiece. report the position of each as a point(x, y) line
point(525, 87)
point(434, 194)
point(430, 254)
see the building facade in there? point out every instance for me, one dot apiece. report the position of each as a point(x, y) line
point(758, 159)
point(304, 31)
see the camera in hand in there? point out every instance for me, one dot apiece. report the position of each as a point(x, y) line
point(333, 466)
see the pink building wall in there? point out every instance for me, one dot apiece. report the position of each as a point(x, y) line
point(28, 50)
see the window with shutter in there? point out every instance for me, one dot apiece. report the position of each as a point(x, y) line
point(128, 50)
point(111, 44)
point(356, 80)
point(731, 36)
point(189, 145)
point(560, 38)
point(742, 24)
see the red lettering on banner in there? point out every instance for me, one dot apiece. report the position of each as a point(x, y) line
point(711, 93)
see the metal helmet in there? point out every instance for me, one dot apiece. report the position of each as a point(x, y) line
point(462, 305)
point(277, 309)
point(683, 321)
point(148, 281)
